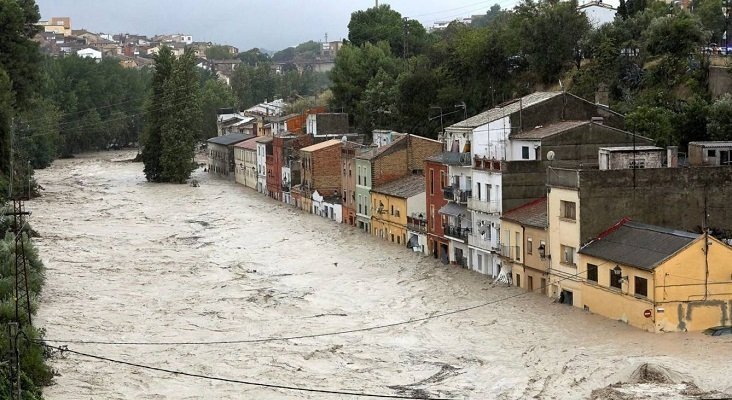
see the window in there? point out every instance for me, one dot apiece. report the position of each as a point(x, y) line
point(518, 280)
point(488, 192)
point(432, 215)
point(478, 191)
point(442, 179)
point(641, 286)
point(614, 279)
point(568, 209)
point(529, 246)
point(524, 152)
point(518, 247)
point(592, 272)
point(711, 153)
point(432, 181)
point(637, 164)
point(567, 255)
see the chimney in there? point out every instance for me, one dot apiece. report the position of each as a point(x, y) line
point(672, 156)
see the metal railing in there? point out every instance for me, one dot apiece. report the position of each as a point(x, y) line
point(456, 232)
point(460, 196)
point(417, 224)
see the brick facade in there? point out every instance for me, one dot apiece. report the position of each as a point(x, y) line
point(321, 168)
point(348, 185)
point(435, 174)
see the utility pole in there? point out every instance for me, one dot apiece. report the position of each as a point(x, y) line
point(14, 386)
point(706, 246)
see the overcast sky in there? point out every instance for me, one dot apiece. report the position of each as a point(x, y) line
point(269, 24)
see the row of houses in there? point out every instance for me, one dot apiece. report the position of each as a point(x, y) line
point(548, 193)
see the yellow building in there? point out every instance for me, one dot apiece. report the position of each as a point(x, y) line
point(563, 215)
point(245, 163)
point(524, 245)
point(392, 203)
point(657, 279)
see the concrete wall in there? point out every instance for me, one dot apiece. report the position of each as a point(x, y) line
point(720, 81)
point(582, 143)
point(670, 197)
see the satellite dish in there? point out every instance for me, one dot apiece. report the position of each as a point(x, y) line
point(550, 155)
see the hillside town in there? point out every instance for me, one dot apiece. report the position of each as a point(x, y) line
point(546, 192)
point(58, 38)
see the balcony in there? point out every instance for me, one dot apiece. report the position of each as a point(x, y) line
point(456, 159)
point(417, 224)
point(488, 207)
point(510, 252)
point(459, 196)
point(456, 232)
point(487, 164)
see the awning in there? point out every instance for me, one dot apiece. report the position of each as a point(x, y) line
point(455, 210)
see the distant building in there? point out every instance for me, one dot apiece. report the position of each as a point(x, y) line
point(245, 160)
point(395, 205)
point(327, 124)
point(90, 53)
point(710, 153)
point(624, 157)
point(59, 25)
point(221, 153)
point(264, 149)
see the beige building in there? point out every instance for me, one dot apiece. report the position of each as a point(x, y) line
point(524, 245)
point(657, 279)
point(564, 241)
point(245, 163)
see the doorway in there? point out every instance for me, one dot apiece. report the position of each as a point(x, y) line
point(566, 297)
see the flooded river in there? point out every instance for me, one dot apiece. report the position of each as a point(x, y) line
point(132, 261)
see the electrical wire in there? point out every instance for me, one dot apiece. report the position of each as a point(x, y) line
point(310, 336)
point(238, 381)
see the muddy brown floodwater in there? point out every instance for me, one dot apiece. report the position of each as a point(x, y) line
point(132, 261)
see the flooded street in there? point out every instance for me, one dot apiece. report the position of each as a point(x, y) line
point(132, 261)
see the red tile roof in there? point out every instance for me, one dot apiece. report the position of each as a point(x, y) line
point(531, 214)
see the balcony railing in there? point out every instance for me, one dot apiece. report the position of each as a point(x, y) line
point(417, 224)
point(511, 252)
point(460, 196)
point(456, 232)
point(487, 164)
point(489, 207)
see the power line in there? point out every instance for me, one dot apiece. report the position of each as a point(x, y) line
point(314, 335)
point(242, 382)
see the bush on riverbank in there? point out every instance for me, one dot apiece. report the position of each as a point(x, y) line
point(35, 373)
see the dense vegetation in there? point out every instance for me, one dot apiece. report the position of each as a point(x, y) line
point(650, 61)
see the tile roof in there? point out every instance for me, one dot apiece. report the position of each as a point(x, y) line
point(531, 214)
point(638, 245)
point(229, 139)
point(321, 145)
point(712, 144)
point(249, 144)
point(377, 151)
point(549, 130)
point(403, 188)
point(500, 112)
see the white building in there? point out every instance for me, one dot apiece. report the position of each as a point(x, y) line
point(90, 53)
point(327, 207)
point(262, 147)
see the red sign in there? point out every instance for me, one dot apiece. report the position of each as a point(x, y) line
point(647, 313)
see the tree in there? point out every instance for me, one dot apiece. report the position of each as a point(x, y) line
point(157, 113)
point(720, 119)
point(677, 34)
point(182, 120)
point(622, 10)
point(374, 25)
point(254, 57)
point(493, 14)
point(653, 122)
point(550, 36)
point(214, 95)
point(218, 52)
point(711, 15)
